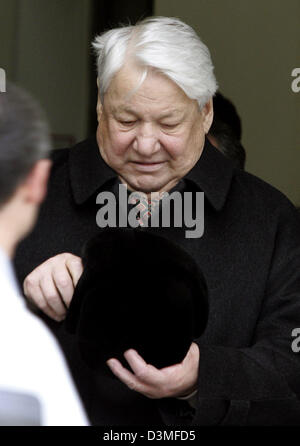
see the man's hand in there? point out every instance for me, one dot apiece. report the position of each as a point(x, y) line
point(51, 285)
point(173, 381)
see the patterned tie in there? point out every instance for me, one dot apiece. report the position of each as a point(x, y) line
point(146, 206)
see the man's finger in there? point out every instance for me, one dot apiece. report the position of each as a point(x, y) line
point(192, 355)
point(52, 296)
point(125, 375)
point(75, 268)
point(143, 371)
point(64, 284)
point(41, 303)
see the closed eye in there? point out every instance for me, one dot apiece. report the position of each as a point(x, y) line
point(169, 126)
point(128, 123)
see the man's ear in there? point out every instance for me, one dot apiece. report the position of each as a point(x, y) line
point(207, 115)
point(34, 188)
point(99, 104)
point(99, 109)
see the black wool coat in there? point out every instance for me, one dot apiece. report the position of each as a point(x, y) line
point(250, 256)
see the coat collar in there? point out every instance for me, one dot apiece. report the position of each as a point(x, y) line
point(89, 173)
point(212, 174)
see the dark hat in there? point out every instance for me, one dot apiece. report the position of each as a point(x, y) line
point(141, 291)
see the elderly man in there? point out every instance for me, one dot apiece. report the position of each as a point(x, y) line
point(156, 85)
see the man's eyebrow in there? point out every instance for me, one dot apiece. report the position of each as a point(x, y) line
point(167, 114)
point(118, 110)
point(172, 113)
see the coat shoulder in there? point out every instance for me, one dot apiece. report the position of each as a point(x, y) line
point(61, 157)
point(262, 193)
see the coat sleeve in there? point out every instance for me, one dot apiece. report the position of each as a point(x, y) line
point(258, 384)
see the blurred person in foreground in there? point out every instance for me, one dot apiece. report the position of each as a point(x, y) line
point(156, 85)
point(35, 384)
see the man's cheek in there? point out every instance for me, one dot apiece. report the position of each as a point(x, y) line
point(174, 147)
point(121, 143)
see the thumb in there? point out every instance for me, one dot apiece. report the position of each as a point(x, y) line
point(75, 268)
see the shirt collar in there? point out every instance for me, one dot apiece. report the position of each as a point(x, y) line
point(8, 279)
point(212, 173)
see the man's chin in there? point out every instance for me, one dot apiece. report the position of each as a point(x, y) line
point(146, 187)
point(145, 184)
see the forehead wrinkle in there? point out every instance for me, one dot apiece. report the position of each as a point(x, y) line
point(124, 108)
point(121, 109)
point(145, 100)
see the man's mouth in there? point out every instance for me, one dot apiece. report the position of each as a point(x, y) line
point(148, 166)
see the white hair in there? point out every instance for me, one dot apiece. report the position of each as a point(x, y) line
point(166, 44)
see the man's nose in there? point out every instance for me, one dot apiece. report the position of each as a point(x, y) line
point(146, 142)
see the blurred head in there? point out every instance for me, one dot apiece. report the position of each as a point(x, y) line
point(24, 169)
point(226, 131)
point(154, 108)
